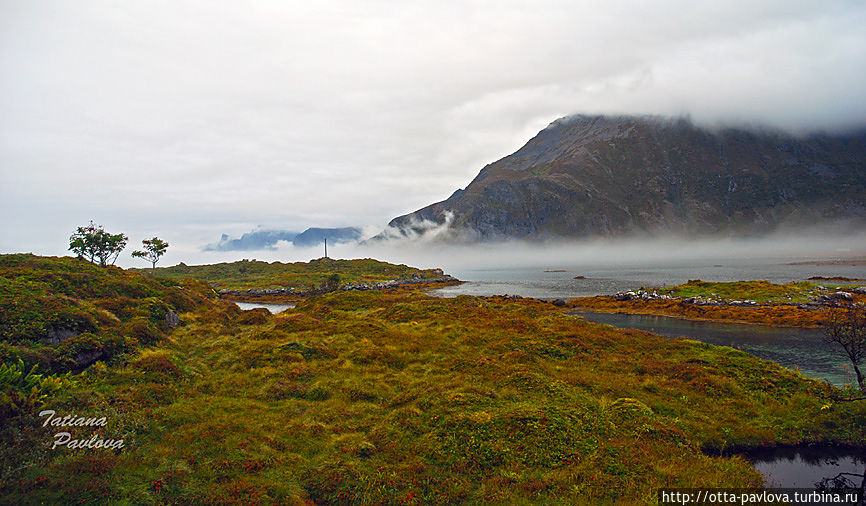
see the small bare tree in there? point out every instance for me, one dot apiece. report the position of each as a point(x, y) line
point(846, 326)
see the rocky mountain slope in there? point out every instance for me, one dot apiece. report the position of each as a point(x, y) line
point(636, 175)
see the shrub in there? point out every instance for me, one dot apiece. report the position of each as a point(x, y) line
point(158, 361)
point(142, 331)
point(255, 316)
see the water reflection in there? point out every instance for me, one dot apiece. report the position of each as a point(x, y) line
point(273, 308)
point(806, 467)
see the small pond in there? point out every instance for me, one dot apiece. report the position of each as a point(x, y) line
point(273, 308)
point(805, 467)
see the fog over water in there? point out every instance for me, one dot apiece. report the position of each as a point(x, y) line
point(548, 269)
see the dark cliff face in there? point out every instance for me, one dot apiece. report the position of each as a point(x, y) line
point(608, 176)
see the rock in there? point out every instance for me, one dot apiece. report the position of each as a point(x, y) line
point(842, 296)
point(559, 303)
point(365, 449)
point(57, 336)
point(86, 358)
point(172, 320)
point(860, 289)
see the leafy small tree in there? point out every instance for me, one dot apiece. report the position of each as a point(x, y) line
point(153, 249)
point(847, 327)
point(94, 243)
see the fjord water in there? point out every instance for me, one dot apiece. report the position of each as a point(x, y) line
point(557, 281)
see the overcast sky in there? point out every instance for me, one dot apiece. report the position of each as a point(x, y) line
point(191, 119)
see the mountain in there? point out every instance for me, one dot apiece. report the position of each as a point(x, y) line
point(316, 236)
point(255, 240)
point(268, 239)
point(586, 176)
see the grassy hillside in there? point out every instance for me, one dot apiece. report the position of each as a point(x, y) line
point(257, 274)
point(361, 397)
point(54, 311)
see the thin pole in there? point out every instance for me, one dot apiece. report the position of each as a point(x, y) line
point(326, 247)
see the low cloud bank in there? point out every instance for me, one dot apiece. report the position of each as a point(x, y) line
point(251, 241)
point(602, 253)
point(264, 240)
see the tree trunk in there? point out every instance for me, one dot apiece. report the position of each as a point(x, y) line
point(859, 378)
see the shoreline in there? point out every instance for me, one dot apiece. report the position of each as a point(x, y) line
point(781, 315)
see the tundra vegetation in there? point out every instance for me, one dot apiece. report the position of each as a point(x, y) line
point(371, 397)
point(245, 274)
point(797, 304)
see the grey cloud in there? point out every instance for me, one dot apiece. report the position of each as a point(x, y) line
point(198, 119)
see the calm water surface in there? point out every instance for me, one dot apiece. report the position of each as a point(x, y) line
point(273, 308)
point(805, 467)
point(541, 282)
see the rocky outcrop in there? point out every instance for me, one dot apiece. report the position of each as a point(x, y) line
point(57, 336)
point(87, 358)
point(828, 300)
point(172, 319)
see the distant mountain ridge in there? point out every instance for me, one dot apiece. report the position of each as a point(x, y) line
point(316, 236)
point(585, 176)
point(268, 239)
